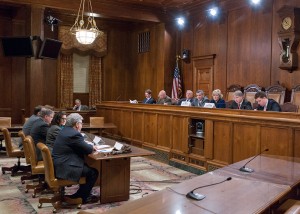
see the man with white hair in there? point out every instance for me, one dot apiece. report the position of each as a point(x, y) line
point(68, 158)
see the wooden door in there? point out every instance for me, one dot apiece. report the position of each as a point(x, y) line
point(203, 74)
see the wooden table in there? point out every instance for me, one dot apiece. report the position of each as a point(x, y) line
point(234, 196)
point(268, 168)
point(114, 172)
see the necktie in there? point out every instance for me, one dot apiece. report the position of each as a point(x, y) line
point(239, 105)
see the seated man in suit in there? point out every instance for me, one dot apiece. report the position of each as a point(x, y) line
point(163, 98)
point(68, 157)
point(200, 99)
point(265, 104)
point(79, 107)
point(40, 127)
point(239, 101)
point(28, 124)
point(188, 100)
point(148, 99)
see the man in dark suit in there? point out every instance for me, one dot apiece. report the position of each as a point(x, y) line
point(79, 107)
point(265, 104)
point(148, 99)
point(239, 102)
point(201, 99)
point(68, 158)
point(188, 100)
point(40, 127)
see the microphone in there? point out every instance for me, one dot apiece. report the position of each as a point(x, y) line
point(249, 170)
point(118, 97)
point(197, 196)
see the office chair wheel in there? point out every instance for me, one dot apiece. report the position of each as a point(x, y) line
point(26, 190)
point(3, 172)
point(33, 195)
point(40, 205)
point(54, 210)
point(79, 206)
point(22, 182)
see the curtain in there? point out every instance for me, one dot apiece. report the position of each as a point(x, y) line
point(65, 81)
point(95, 75)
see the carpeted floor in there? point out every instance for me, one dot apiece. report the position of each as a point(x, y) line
point(147, 176)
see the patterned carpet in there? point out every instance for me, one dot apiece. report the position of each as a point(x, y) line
point(147, 176)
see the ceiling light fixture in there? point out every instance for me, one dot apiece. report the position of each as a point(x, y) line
point(85, 33)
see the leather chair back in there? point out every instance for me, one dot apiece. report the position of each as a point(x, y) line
point(25, 147)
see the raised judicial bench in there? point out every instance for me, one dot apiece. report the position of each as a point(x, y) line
point(203, 139)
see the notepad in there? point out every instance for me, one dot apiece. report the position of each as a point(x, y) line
point(97, 140)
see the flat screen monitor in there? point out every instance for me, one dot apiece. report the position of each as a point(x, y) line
point(17, 46)
point(50, 48)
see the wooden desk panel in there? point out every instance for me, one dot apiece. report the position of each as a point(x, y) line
point(268, 168)
point(233, 197)
point(230, 135)
point(114, 172)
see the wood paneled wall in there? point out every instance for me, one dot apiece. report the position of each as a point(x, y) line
point(245, 42)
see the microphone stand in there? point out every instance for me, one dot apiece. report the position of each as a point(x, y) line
point(197, 196)
point(249, 170)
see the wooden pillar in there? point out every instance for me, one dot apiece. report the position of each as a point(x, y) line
point(34, 71)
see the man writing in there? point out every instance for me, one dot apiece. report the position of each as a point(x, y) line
point(68, 158)
point(265, 104)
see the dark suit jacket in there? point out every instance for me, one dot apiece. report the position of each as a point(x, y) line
point(201, 103)
point(82, 108)
point(245, 105)
point(167, 100)
point(272, 106)
point(185, 99)
point(150, 101)
point(51, 136)
point(220, 104)
point(68, 154)
point(38, 133)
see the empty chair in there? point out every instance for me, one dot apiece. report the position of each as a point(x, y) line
point(277, 93)
point(13, 151)
point(55, 184)
point(37, 167)
point(295, 97)
point(250, 91)
point(289, 107)
point(29, 176)
point(230, 91)
point(5, 122)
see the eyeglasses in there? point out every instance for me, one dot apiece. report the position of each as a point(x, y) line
point(64, 118)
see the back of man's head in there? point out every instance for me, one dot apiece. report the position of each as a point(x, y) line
point(73, 118)
point(37, 109)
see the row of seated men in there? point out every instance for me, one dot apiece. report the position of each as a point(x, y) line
point(61, 133)
point(239, 102)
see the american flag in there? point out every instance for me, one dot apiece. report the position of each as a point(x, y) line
point(176, 88)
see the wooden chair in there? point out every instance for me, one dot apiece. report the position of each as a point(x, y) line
point(55, 184)
point(276, 92)
point(12, 151)
point(250, 91)
point(5, 122)
point(230, 91)
point(29, 176)
point(295, 96)
point(37, 167)
point(290, 206)
point(289, 107)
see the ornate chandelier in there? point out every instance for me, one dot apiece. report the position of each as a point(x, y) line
point(85, 33)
